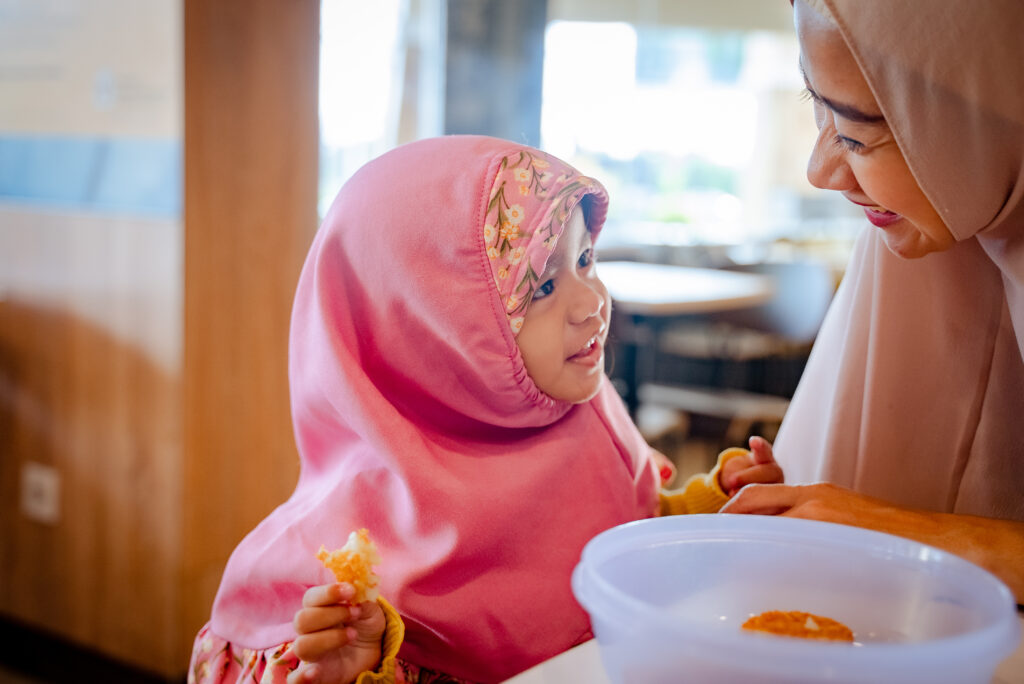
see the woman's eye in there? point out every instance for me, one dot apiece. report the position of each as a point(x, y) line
point(586, 258)
point(849, 143)
point(546, 288)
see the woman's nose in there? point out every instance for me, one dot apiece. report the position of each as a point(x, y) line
point(827, 167)
point(589, 300)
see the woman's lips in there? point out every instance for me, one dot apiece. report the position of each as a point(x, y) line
point(877, 215)
point(881, 217)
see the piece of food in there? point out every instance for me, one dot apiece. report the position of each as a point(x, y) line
point(353, 563)
point(795, 623)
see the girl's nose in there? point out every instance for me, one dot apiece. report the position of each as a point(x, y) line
point(827, 167)
point(588, 302)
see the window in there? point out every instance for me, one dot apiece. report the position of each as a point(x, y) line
point(691, 116)
point(380, 82)
point(700, 135)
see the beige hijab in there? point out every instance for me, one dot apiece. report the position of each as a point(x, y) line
point(915, 389)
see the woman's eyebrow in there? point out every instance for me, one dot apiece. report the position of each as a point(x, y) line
point(848, 112)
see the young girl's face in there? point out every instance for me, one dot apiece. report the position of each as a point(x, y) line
point(566, 325)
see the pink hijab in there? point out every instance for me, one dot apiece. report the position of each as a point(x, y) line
point(915, 389)
point(415, 417)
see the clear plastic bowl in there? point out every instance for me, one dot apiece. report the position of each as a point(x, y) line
point(666, 598)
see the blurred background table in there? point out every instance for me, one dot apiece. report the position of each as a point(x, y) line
point(647, 296)
point(647, 289)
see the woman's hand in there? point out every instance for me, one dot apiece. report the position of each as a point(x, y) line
point(996, 545)
point(336, 641)
point(759, 467)
point(820, 501)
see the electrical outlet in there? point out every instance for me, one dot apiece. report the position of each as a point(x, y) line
point(40, 492)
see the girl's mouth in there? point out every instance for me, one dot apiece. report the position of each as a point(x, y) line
point(589, 354)
point(881, 217)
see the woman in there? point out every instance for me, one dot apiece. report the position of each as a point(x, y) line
point(912, 398)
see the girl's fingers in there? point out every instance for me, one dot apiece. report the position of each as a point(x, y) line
point(318, 618)
point(306, 673)
point(768, 473)
point(733, 467)
point(761, 450)
point(315, 646)
point(665, 467)
point(667, 472)
point(327, 594)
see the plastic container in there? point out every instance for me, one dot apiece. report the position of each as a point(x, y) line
point(666, 598)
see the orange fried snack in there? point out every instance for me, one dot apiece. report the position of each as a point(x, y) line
point(353, 563)
point(795, 623)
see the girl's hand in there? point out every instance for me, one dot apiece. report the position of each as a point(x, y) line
point(336, 641)
point(758, 468)
point(665, 467)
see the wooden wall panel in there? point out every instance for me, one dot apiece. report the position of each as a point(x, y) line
point(251, 148)
point(146, 360)
point(90, 358)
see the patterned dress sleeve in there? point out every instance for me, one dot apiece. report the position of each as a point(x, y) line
point(218, 661)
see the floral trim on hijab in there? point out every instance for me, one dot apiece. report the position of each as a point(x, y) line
point(531, 200)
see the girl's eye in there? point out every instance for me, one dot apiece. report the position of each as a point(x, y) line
point(586, 258)
point(546, 288)
point(849, 143)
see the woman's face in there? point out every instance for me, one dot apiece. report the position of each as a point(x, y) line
point(856, 152)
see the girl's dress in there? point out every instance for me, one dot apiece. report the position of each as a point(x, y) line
point(917, 375)
point(415, 418)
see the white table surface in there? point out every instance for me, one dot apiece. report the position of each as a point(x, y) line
point(663, 290)
point(583, 664)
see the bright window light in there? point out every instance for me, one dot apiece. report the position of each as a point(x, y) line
point(700, 135)
point(356, 69)
point(360, 86)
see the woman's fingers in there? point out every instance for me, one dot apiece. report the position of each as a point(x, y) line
point(312, 647)
point(762, 499)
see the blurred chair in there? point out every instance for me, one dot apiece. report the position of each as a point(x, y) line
point(743, 365)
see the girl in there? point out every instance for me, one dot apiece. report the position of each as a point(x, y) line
point(448, 394)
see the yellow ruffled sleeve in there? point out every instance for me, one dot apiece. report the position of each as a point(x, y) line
point(702, 493)
point(394, 634)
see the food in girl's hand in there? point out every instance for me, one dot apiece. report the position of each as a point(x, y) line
point(795, 623)
point(353, 563)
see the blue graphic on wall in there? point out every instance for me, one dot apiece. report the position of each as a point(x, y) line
point(121, 175)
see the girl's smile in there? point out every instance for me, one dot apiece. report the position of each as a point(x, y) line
point(592, 353)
